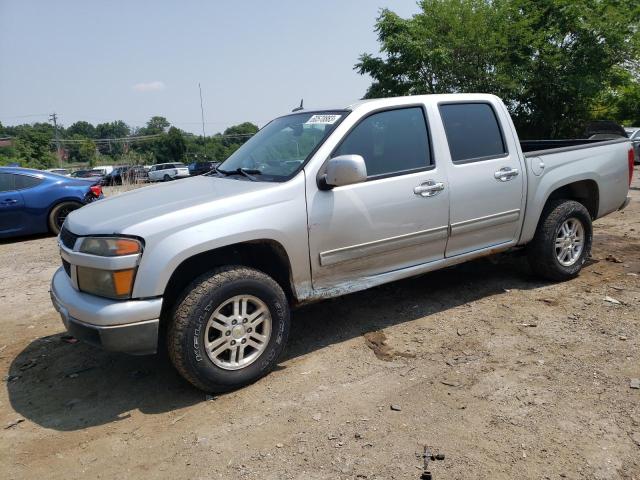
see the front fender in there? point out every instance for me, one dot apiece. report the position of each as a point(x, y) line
point(283, 221)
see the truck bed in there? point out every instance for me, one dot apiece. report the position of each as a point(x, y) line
point(535, 148)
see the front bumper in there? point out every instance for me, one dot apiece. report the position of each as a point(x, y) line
point(129, 326)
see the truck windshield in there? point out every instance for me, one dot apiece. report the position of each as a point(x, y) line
point(282, 147)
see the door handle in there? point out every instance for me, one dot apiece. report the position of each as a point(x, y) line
point(428, 189)
point(9, 201)
point(505, 174)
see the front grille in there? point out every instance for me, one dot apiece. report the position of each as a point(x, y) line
point(67, 238)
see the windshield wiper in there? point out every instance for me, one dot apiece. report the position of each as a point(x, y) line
point(247, 172)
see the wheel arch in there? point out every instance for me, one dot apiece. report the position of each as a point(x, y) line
point(266, 255)
point(57, 202)
point(585, 191)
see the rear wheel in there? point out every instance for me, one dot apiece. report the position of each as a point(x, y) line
point(229, 329)
point(562, 242)
point(59, 213)
point(166, 178)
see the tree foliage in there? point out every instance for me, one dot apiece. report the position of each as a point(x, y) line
point(550, 60)
point(34, 145)
point(154, 126)
point(82, 129)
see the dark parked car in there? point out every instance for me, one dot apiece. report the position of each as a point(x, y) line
point(198, 168)
point(126, 174)
point(33, 201)
point(95, 175)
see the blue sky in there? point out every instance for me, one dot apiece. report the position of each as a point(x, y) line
point(107, 60)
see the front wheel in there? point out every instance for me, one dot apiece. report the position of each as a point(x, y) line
point(229, 328)
point(59, 213)
point(562, 242)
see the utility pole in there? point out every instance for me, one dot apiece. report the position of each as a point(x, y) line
point(54, 118)
point(204, 142)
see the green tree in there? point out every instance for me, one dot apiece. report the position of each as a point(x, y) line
point(170, 147)
point(155, 126)
point(234, 136)
point(87, 152)
point(81, 128)
point(548, 59)
point(33, 148)
point(116, 129)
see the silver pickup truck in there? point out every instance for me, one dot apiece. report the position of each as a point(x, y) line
point(319, 204)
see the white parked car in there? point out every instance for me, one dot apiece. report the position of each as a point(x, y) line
point(104, 169)
point(163, 172)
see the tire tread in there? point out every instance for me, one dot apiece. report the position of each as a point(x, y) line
point(201, 286)
point(542, 261)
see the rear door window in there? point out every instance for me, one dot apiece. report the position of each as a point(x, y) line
point(473, 132)
point(391, 142)
point(22, 182)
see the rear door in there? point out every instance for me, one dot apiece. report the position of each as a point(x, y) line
point(12, 211)
point(486, 177)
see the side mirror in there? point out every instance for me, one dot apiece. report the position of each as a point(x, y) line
point(345, 170)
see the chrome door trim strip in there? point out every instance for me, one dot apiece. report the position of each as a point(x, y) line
point(485, 222)
point(353, 252)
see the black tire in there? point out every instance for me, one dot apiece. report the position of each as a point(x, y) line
point(187, 330)
point(166, 178)
point(59, 213)
point(541, 252)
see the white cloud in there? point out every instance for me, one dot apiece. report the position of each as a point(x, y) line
point(154, 86)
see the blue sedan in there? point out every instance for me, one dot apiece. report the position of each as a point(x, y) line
point(33, 201)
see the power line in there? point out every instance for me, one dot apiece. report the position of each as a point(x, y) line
point(26, 116)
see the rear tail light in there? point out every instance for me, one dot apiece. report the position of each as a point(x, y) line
point(96, 190)
point(631, 159)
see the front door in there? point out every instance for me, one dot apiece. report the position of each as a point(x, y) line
point(396, 219)
point(11, 206)
point(486, 178)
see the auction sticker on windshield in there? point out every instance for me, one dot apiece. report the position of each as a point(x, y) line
point(323, 119)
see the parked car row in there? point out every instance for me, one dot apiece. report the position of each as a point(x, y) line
point(161, 172)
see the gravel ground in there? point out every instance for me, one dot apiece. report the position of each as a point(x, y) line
point(508, 376)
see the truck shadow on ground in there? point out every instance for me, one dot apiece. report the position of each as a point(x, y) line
point(69, 387)
point(26, 238)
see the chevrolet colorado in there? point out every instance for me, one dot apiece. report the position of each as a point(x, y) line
point(319, 204)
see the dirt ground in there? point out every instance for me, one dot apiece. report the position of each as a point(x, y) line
point(508, 376)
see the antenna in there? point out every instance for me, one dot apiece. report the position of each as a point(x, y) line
point(301, 107)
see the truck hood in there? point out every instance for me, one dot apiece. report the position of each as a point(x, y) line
point(170, 205)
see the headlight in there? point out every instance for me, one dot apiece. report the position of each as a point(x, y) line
point(113, 281)
point(115, 284)
point(110, 246)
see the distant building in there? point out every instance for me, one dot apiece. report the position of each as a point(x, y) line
point(6, 142)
